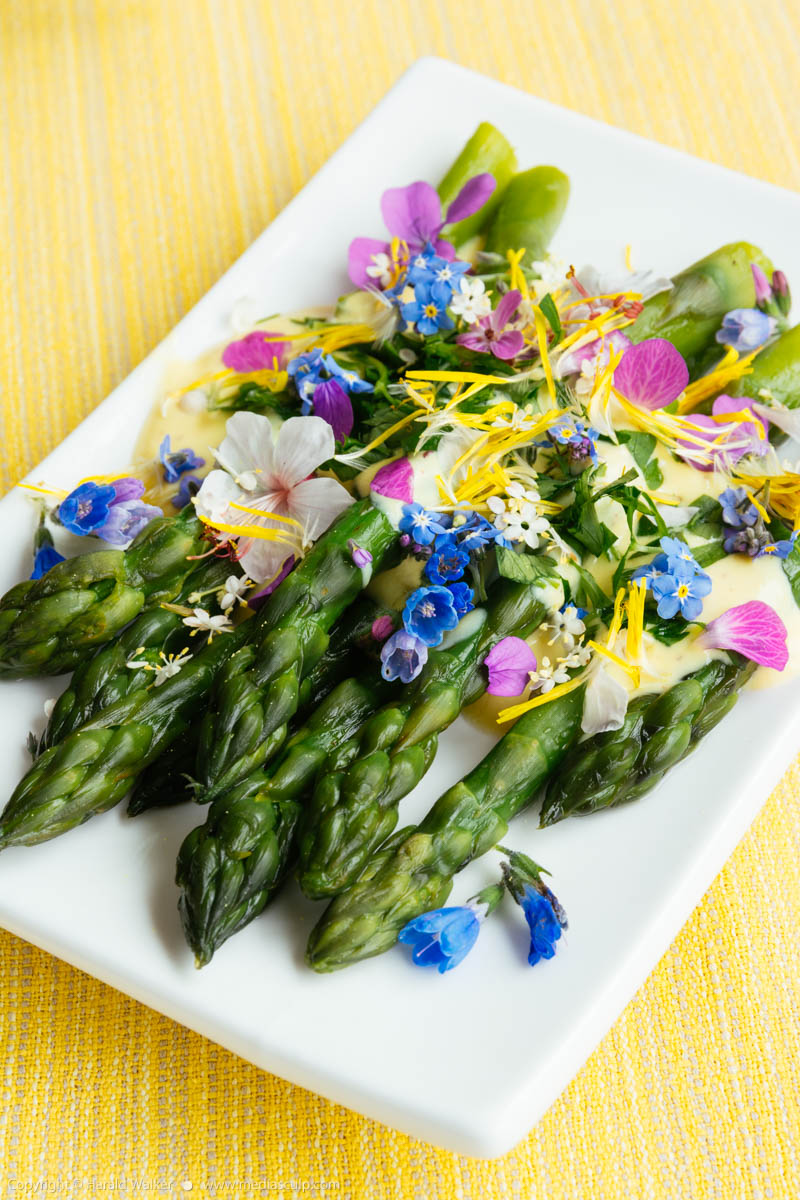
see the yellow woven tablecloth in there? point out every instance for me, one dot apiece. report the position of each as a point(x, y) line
point(142, 146)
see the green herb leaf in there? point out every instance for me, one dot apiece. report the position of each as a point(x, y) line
point(667, 631)
point(524, 568)
point(547, 305)
point(707, 521)
point(790, 564)
point(642, 447)
point(708, 553)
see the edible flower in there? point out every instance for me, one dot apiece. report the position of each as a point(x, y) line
point(113, 512)
point(726, 442)
point(490, 335)
point(476, 532)
point(516, 519)
point(361, 557)
point(165, 667)
point(382, 627)
point(681, 590)
point(419, 524)
point(427, 312)
point(592, 356)
point(234, 592)
point(429, 612)
point(413, 215)
point(448, 560)
point(651, 374)
point(46, 557)
point(509, 663)
point(738, 509)
point(429, 267)
point(567, 625)
point(189, 487)
point(395, 480)
point(443, 937)
point(403, 656)
point(177, 462)
point(262, 492)
point(256, 351)
point(753, 629)
point(470, 301)
point(746, 329)
point(463, 598)
point(579, 440)
point(781, 549)
point(543, 913)
point(202, 620)
point(324, 386)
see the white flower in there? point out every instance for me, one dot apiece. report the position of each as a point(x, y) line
point(470, 302)
point(602, 283)
point(518, 521)
point(170, 665)
point(567, 626)
point(234, 592)
point(605, 702)
point(273, 476)
point(552, 275)
point(518, 491)
point(381, 269)
point(202, 619)
point(548, 675)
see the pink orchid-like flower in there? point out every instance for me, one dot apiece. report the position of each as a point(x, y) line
point(753, 629)
point(414, 215)
point(395, 480)
point(726, 442)
point(651, 374)
point(509, 664)
point(256, 351)
point(490, 336)
point(594, 354)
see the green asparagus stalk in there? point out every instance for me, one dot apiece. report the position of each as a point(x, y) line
point(776, 369)
point(228, 868)
point(259, 689)
point(465, 822)
point(50, 625)
point(354, 809)
point(92, 768)
point(690, 314)
point(619, 766)
point(156, 633)
point(487, 151)
point(170, 779)
point(529, 213)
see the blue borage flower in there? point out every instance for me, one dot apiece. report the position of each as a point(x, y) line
point(113, 512)
point(403, 656)
point(543, 913)
point(443, 937)
point(177, 462)
point(429, 612)
point(46, 557)
point(448, 561)
point(325, 387)
point(463, 598)
point(422, 526)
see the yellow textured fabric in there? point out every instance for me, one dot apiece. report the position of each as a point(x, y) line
point(142, 146)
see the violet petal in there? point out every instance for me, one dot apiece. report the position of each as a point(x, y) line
point(413, 213)
point(753, 629)
point(473, 195)
point(652, 373)
point(360, 256)
point(332, 403)
point(509, 664)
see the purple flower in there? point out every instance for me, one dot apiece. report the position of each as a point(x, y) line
point(257, 351)
point(745, 329)
point(382, 627)
point(414, 215)
point(748, 539)
point(681, 591)
point(543, 922)
point(490, 336)
point(448, 560)
point(177, 462)
point(403, 656)
point(428, 614)
point(462, 598)
point(421, 525)
point(753, 629)
point(256, 599)
point(651, 374)
point(727, 442)
point(190, 485)
point(738, 509)
point(46, 557)
point(596, 352)
point(443, 937)
point(428, 310)
point(394, 480)
point(361, 558)
point(332, 403)
point(509, 664)
point(761, 284)
point(325, 386)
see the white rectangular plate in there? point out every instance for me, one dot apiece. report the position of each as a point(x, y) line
point(469, 1060)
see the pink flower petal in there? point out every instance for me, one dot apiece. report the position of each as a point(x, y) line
point(395, 480)
point(444, 249)
point(509, 664)
point(651, 374)
point(472, 196)
point(360, 256)
point(751, 436)
point(413, 213)
point(753, 629)
point(735, 404)
point(761, 284)
point(256, 351)
point(506, 309)
point(508, 345)
point(476, 340)
point(572, 362)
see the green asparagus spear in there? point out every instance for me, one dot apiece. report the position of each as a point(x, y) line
point(529, 213)
point(92, 769)
point(259, 688)
point(52, 624)
point(465, 822)
point(106, 677)
point(228, 869)
point(353, 809)
point(776, 369)
point(487, 151)
point(658, 731)
point(170, 779)
point(690, 314)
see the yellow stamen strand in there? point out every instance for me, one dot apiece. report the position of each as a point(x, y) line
point(517, 710)
point(731, 368)
point(253, 531)
point(541, 338)
point(630, 669)
point(637, 590)
point(516, 277)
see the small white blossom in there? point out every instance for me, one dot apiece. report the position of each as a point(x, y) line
point(470, 302)
point(170, 665)
point(234, 592)
point(548, 675)
point(567, 626)
point(381, 269)
point(518, 521)
point(202, 619)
